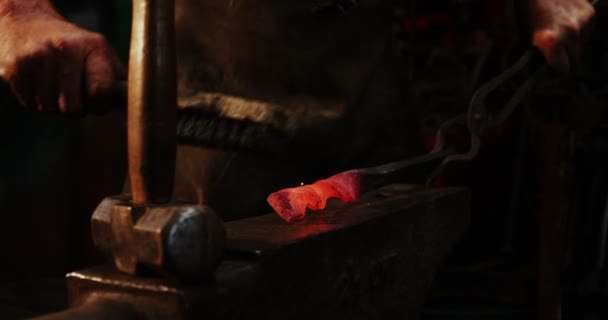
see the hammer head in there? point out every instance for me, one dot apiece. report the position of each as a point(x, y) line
point(184, 241)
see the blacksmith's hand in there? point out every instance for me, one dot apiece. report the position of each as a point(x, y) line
point(51, 64)
point(559, 28)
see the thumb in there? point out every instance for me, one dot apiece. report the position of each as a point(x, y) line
point(551, 45)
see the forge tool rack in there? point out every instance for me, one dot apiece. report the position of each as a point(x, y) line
point(372, 259)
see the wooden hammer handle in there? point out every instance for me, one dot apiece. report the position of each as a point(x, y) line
point(152, 101)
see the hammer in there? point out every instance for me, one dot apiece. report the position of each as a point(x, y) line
point(145, 228)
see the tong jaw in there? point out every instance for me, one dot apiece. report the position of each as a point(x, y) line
point(479, 118)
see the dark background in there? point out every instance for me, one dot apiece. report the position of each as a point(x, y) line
point(55, 170)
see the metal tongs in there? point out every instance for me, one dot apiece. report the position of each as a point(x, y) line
point(479, 118)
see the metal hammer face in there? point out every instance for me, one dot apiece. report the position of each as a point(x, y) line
point(184, 241)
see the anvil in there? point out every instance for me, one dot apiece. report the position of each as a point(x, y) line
point(373, 259)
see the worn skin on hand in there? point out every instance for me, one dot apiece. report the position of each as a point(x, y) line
point(51, 64)
point(559, 28)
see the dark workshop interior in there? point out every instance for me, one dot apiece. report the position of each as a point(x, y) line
point(215, 177)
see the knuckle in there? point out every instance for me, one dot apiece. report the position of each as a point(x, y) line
point(65, 108)
point(590, 12)
point(98, 87)
point(546, 38)
point(42, 51)
point(10, 71)
point(76, 44)
point(63, 103)
point(573, 27)
point(96, 40)
point(68, 104)
point(98, 47)
point(61, 44)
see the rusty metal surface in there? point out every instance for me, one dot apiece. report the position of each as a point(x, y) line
point(152, 101)
point(372, 260)
point(182, 240)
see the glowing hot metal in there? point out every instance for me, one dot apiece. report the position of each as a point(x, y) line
point(291, 203)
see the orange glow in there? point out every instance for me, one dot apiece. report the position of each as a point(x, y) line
point(291, 203)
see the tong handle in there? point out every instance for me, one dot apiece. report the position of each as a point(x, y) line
point(479, 117)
